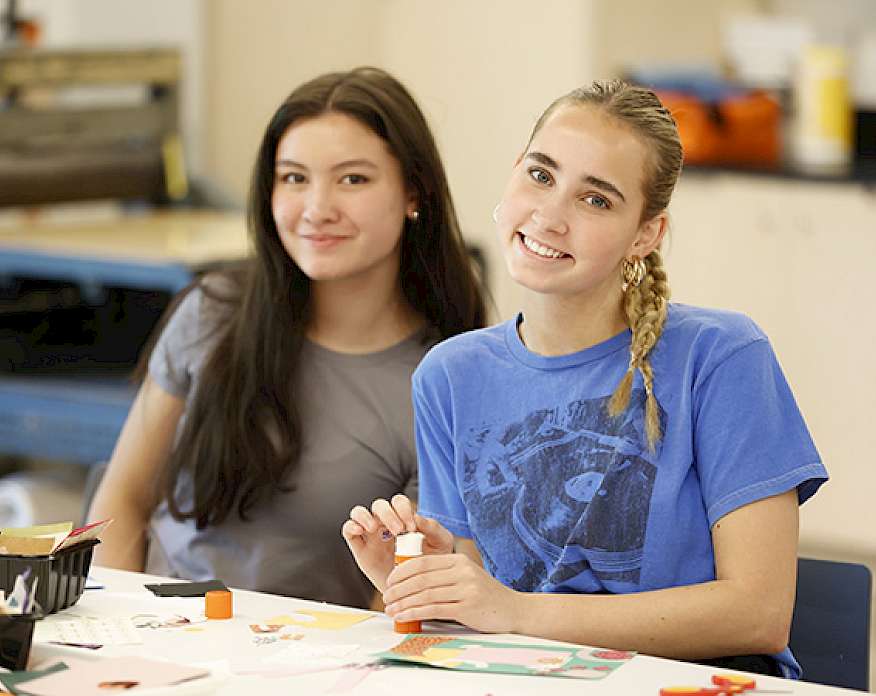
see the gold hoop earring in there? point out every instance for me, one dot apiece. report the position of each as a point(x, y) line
point(632, 272)
point(414, 216)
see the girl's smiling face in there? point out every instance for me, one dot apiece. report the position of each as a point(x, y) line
point(339, 200)
point(571, 211)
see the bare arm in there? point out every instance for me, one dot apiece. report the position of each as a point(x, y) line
point(128, 492)
point(746, 610)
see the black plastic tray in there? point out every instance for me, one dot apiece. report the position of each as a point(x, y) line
point(62, 575)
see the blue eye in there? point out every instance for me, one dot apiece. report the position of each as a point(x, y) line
point(597, 201)
point(540, 175)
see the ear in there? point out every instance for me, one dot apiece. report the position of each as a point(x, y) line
point(650, 235)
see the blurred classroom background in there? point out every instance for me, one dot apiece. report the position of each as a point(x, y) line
point(128, 130)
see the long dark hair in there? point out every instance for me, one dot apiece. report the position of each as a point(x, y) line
point(241, 438)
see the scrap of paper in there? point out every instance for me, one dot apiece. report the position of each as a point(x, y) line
point(87, 630)
point(328, 620)
point(97, 677)
point(185, 589)
point(298, 658)
point(507, 658)
point(352, 677)
point(268, 634)
point(45, 539)
point(166, 620)
point(12, 680)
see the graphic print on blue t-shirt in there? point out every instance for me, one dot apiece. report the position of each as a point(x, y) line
point(564, 494)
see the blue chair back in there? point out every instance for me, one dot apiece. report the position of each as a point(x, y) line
point(830, 632)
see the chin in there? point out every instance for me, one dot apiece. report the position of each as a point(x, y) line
point(534, 282)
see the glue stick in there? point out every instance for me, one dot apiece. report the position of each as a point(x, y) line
point(408, 546)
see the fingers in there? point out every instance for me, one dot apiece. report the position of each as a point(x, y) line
point(446, 611)
point(423, 581)
point(353, 532)
point(397, 516)
point(435, 532)
point(405, 510)
point(364, 518)
point(384, 518)
point(435, 595)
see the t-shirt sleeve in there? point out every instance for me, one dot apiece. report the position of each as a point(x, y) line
point(170, 364)
point(750, 440)
point(440, 496)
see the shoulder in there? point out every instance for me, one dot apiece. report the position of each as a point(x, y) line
point(202, 309)
point(704, 328)
point(463, 352)
point(701, 340)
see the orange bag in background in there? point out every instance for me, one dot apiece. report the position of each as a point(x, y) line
point(743, 130)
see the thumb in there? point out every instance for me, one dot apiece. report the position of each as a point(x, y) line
point(435, 533)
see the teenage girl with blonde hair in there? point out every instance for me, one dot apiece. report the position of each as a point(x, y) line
point(611, 469)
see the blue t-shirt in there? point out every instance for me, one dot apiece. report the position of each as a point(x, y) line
point(518, 452)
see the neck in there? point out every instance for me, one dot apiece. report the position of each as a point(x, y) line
point(349, 317)
point(560, 325)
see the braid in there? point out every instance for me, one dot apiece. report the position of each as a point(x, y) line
point(645, 308)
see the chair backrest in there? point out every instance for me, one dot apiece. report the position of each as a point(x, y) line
point(830, 632)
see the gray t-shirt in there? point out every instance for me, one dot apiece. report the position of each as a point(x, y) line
point(358, 445)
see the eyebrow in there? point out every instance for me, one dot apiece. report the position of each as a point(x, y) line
point(346, 164)
point(601, 184)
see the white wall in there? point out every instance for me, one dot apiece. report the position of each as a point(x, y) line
point(482, 72)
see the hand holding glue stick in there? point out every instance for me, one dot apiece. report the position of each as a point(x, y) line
point(370, 535)
point(439, 584)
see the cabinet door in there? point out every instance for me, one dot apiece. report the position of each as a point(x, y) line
point(798, 258)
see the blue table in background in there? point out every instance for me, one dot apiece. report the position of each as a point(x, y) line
point(71, 406)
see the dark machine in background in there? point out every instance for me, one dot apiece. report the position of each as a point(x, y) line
point(79, 301)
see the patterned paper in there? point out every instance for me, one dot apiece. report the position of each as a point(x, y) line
point(507, 658)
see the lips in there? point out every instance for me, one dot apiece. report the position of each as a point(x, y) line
point(323, 240)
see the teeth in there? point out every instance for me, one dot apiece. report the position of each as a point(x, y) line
point(540, 249)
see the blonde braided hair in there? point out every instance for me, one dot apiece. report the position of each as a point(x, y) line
point(645, 304)
point(645, 307)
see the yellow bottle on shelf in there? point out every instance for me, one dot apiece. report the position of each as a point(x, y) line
point(823, 138)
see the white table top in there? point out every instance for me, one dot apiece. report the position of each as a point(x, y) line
point(221, 643)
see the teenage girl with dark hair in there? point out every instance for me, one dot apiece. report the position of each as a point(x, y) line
point(278, 396)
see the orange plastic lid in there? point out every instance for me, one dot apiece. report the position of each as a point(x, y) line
point(218, 604)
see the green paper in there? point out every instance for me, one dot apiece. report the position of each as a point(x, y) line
point(467, 655)
point(12, 679)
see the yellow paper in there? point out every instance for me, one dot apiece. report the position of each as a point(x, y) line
point(40, 530)
point(40, 540)
point(27, 546)
point(328, 620)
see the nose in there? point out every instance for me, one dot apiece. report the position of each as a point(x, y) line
point(549, 216)
point(319, 207)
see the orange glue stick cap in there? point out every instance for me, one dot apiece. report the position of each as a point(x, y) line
point(218, 604)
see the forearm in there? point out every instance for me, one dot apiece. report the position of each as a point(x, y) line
point(712, 619)
point(123, 543)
